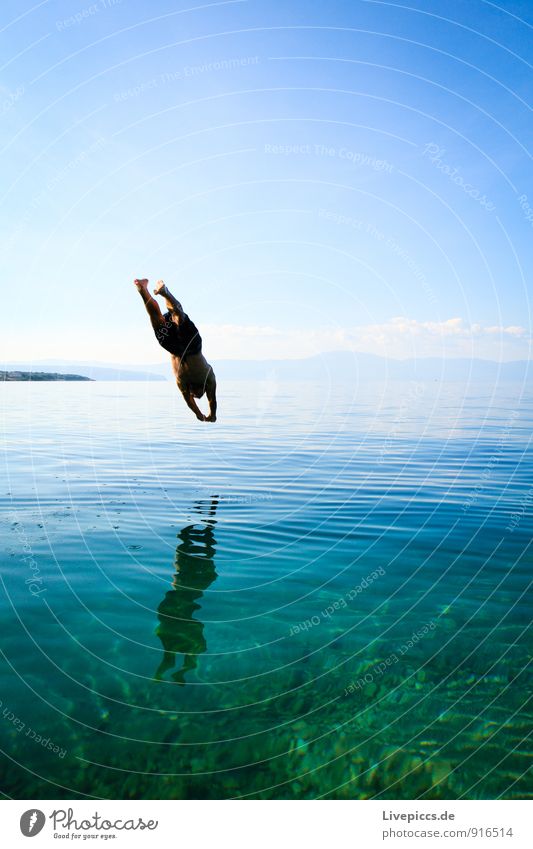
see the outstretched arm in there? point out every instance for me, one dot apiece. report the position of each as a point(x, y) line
point(211, 392)
point(191, 403)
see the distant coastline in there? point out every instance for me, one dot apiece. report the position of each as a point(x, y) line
point(327, 367)
point(39, 375)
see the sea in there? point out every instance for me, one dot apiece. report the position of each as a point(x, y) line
point(326, 594)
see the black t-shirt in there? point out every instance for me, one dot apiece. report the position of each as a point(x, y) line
point(179, 339)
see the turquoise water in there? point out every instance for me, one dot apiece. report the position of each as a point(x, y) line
point(323, 595)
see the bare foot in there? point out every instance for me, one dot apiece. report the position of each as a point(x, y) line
point(141, 283)
point(159, 287)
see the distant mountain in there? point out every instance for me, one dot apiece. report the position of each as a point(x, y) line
point(335, 366)
point(38, 376)
point(341, 366)
point(331, 367)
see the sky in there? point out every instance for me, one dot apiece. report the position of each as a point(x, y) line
point(305, 176)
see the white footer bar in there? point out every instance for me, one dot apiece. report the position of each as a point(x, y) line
point(269, 824)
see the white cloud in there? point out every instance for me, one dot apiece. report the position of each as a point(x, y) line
point(399, 337)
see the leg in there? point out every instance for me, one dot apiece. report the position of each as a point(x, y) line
point(152, 307)
point(172, 303)
point(189, 663)
point(169, 659)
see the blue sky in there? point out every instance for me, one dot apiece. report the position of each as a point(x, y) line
point(305, 176)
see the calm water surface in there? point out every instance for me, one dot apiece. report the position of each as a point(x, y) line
point(323, 595)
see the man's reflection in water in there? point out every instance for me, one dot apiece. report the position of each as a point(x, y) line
point(195, 572)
